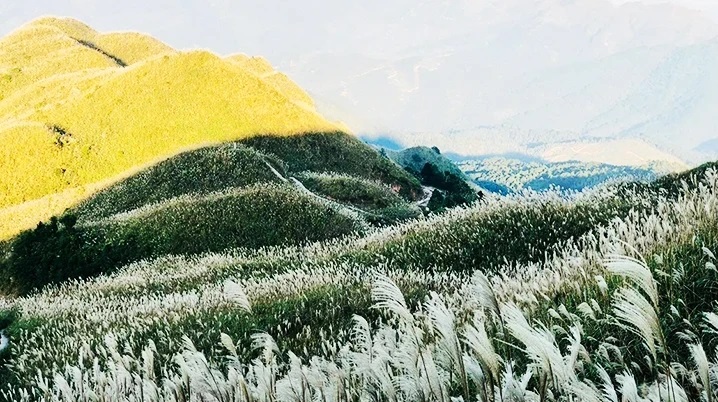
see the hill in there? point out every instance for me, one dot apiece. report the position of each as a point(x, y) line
point(297, 268)
point(93, 107)
point(415, 158)
point(445, 185)
point(217, 198)
point(203, 171)
point(532, 266)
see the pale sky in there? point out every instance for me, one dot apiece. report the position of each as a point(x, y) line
point(274, 29)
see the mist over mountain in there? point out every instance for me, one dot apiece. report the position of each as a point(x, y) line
point(527, 72)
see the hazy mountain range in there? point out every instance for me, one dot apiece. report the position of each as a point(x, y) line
point(506, 76)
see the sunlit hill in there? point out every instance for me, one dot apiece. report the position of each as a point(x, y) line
point(80, 109)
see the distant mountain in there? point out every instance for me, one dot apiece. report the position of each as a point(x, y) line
point(549, 70)
point(505, 175)
point(619, 152)
point(708, 147)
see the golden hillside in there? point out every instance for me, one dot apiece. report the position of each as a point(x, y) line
point(79, 109)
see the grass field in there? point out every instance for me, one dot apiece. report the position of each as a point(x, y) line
point(251, 251)
point(573, 322)
point(211, 199)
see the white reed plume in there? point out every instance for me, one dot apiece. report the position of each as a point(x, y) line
point(484, 293)
point(635, 313)
point(386, 295)
point(235, 294)
point(541, 348)
point(444, 323)
point(627, 387)
point(637, 272)
point(703, 367)
point(477, 339)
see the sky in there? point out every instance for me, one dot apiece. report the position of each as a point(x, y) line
point(271, 28)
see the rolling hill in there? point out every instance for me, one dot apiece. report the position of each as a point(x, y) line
point(494, 276)
point(80, 110)
point(264, 191)
point(297, 267)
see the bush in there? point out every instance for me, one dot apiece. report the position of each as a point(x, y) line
point(56, 251)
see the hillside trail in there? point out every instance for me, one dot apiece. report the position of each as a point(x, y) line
point(424, 201)
point(299, 185)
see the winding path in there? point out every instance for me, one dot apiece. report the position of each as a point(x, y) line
point(428, 192)
point(298, 184)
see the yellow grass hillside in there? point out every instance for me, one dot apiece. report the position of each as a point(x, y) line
point(79, 109)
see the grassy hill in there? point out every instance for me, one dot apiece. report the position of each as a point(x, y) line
point(382, 204)
point(415, 158)
point(203, 171)
point(449, 185)
point(81, 110)
point(305, 297)
point(249, 217)
point(338, 153)
point(245, 162)
point(212, 199)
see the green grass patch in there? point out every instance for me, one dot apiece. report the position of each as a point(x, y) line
point(477, 240)
point(383, 204)
point(252, 217)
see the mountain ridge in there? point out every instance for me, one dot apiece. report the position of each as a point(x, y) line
point(86, 118)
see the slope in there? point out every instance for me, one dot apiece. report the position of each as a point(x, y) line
point(415, 158)
point(302, 296)
point(80, 110)
point(203, 171)
point(212, 199)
